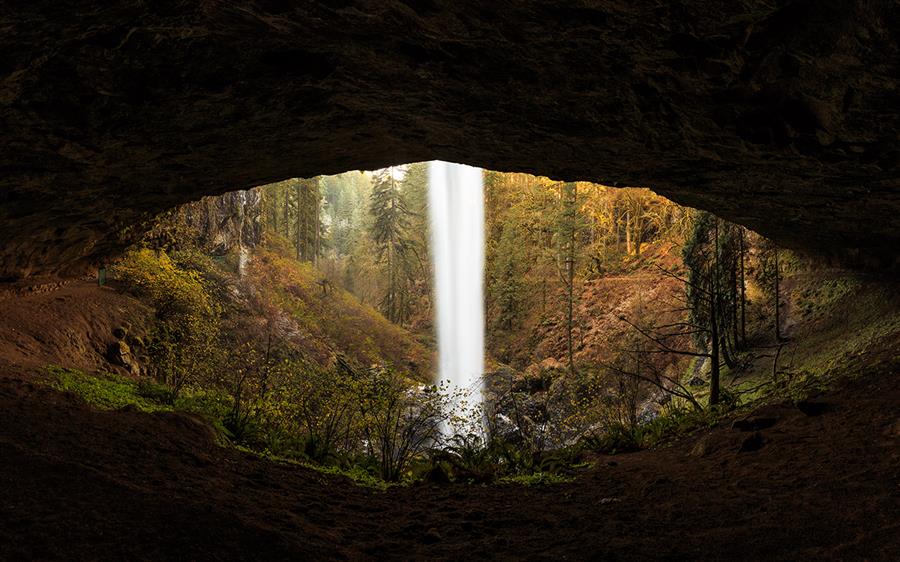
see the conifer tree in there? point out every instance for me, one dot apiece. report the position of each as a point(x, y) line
point(394, 247)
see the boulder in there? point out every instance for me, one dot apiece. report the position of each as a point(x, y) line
point(119, 353)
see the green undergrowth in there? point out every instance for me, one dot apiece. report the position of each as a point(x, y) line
point(675, 422)
point(107, 391)
point(111, 392)
point(358, 474)
point(536, 479)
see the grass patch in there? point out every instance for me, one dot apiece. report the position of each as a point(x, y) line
point(356, 473)
point(104, 392)
point(113, 392)
point(536, 479)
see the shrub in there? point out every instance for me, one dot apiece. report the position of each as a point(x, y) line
point(399, 422)
point(182, 346)
point(322, 407)
point(537, 479)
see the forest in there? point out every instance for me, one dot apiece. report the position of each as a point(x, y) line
point(449, 280)
point(298, 319)
point(287, 340)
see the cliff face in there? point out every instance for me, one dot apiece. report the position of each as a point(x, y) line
point(778, 115)
point(225, 222)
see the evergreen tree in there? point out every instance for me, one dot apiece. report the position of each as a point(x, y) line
point(506, 271)
point(308, 225)
point(395, 249)
point(415, 192)
point(568, 225)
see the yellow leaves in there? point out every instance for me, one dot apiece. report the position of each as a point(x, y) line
point(183, 344)
point(169, 288)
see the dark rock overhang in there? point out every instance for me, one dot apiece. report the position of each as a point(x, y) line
point(782, 116)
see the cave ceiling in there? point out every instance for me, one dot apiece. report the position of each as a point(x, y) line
point(782, 116)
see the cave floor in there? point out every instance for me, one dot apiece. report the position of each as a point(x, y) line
point(79, 484)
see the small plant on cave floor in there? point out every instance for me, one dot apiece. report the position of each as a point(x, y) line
point(399, 423)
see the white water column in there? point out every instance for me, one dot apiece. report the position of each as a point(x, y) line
point(456, 209)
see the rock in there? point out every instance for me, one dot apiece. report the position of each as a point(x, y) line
point(702, 447)
point(696, 380)
point(432, 536)
point(227, 222)
point(753, 424)
point(812, 409)
point(893, 430)
point(704, 103)
point(752, 443)
point(548, 364)
point(648, 413)
point(437, 475)
point(119, 353)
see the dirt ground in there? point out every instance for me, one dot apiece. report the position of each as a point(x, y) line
point(816, 481)
point(77, 484)
point(70, 326)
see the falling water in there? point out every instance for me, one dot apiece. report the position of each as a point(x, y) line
point(456, 208)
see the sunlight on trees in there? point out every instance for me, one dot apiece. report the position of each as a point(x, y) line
point(555, 252)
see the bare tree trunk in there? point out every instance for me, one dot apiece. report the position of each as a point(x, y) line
point(275, 209)
point(743, 293)
point(570, 265)
point(714, 349)
point(299, 193)
point(714, 323)
point(777, 298)
point(628, 232)
point(317, 223)
point(735, 333)
point(287, 209)
point(638, 234)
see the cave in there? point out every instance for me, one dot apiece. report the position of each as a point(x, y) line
point(777, 116)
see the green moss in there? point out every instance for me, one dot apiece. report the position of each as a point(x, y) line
point(815, 300)
point(104, 392)
point(357, 474)
point(536, 479)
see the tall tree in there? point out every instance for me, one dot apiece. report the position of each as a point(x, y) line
point(308, 199)
point(777, 295)
point(710, 290)
point(395, 249)
point(569, 225)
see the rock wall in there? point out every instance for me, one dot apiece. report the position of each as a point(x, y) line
point(780, 115)
point(226, 222)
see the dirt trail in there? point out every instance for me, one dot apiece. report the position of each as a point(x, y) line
point(71, 326)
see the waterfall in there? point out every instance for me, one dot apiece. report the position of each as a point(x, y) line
point(456, 209)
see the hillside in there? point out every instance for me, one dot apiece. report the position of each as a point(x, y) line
point(636, 288)
point(323, 319)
